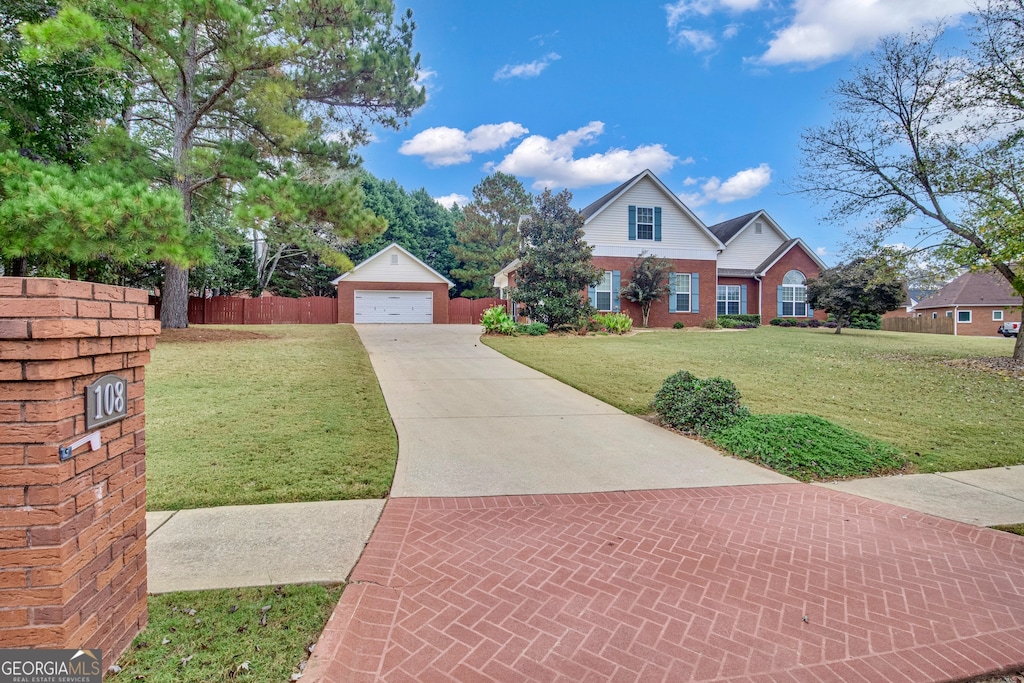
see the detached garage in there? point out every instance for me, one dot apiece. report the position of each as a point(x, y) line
point(393, 286)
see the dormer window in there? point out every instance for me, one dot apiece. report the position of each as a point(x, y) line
point(644, 223)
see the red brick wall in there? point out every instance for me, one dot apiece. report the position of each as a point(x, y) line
point(660, 317)
point(752, 292)
point(981, 324)
point(347, 301)
point(72, 533)
point(795, 259)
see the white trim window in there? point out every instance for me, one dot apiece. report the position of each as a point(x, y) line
point(794, 295)
point(728, 300)
point(645, 223)
point(997, 316)
point(963, 316)
point(603, 293)
point(682, 293)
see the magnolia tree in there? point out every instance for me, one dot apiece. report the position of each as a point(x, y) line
point(555, 266)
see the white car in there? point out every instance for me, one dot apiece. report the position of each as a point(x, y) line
point(1009, 329)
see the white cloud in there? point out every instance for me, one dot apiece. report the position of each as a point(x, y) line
point(451, 200)
point(823, 30)
point(743, 185)
point(821, 251)
point(552, 163)
point(700, 41)
point(678, 16)
point(528, 70)
point(443, 146)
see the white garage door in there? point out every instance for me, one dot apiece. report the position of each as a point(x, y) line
point(381, 306)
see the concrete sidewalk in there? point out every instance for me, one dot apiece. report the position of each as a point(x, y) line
point(980, 497)
point(257, 545)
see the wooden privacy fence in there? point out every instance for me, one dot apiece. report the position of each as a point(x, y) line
point(942, 325)
point(267, 310)
point(469, 311)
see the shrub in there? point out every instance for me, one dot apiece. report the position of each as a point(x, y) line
point(699, 406)
point(678, 325)
point(727, 323)
point(614, 323)
point(807, 447)
point(803, 323)
point(532, 329)
point(866, 321)
point(710, 324)
point(743, 320)
point(814, 322)
point(776, 321)
point(497, 321)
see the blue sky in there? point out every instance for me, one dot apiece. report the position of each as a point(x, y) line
point(711, 95)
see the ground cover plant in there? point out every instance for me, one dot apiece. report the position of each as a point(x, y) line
point(807, 447)
point(256, 634)
point(275, 414)
point(920, 392)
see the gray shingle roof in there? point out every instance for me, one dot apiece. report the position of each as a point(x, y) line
point(598, 204)
point(735, 272)
point(987, 288)
point(726, 230)
point(783, 248)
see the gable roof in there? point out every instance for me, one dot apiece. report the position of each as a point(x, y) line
point(595, 208)
point(986, 288)
point(726, 231)
point(400, 248)
point(784, 249)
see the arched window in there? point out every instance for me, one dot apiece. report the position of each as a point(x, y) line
point(793, 295)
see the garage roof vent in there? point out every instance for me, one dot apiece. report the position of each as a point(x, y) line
point(394, 259)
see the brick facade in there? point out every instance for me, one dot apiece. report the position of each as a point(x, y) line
point(72, 533)
point(660, 316)
point(347, 301)
point(795, 259)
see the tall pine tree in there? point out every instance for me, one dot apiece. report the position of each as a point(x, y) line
point(292, 80)
point(487, 236)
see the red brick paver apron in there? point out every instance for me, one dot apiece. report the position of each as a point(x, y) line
point(751, 583)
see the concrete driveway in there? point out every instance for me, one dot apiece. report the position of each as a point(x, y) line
point(472, 422)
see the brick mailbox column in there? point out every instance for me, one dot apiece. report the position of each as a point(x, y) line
point(72, 531)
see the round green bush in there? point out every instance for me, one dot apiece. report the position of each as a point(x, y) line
point(678, 325)
point(698, 406)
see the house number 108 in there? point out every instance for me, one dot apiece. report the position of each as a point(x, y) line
point(111, 402)
point(105, 401)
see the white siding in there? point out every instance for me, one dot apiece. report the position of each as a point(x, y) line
point(381, 269)
point(635, 247)
point(748, 249)
point(678, 231)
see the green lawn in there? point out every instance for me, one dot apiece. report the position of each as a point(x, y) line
point(890, 385)
point(296, 415)
point(249, 634)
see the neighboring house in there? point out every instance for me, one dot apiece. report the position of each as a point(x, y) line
point(393, 286)
point(914, 297)
point(745, 265)
point(978, 303)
